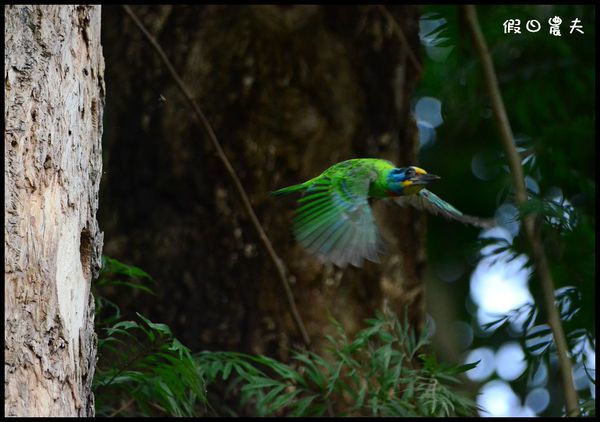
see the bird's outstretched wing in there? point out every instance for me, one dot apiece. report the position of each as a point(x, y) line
point(334, 219)
point(427, 200)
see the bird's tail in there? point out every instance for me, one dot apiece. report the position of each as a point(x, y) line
point(289, 189)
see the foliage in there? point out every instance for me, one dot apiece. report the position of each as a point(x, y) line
point(547, 85)
point(115, 273)
point(537, 340)
point(143, 370)
point(376, 374)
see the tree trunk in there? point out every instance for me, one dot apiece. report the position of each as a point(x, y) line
point(54, 99)
point(290, 90)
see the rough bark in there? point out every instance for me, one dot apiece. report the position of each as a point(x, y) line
point(54, 99)
point(290, 91)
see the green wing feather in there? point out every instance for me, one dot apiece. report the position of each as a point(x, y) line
point(334, 219)
point(427, 200)
point(289, 189)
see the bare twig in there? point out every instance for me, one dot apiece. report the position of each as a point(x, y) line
point(398, 31)
point(120, 409)
point(535, 242)
point(236, 181)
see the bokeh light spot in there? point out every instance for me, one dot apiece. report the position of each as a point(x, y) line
point(497, 399)
point(510, 361)
point(538, 400)
point(464, 334)
point(485, 368)
point(507, 217)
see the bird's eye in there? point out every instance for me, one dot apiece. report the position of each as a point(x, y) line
point(410, 173)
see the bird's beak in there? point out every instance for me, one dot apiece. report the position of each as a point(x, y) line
point(424, 179)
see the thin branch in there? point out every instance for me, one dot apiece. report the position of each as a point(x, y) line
point(533, 237)
point(120, 409)
point(405, 44)
point(230, 171)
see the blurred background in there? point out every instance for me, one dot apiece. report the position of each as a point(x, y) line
point(291, 90)
point(546, 82)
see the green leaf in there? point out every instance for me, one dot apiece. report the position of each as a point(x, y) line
point(361, 397)
point(302, 405)
point(462, 368)
point(267, 400)
point(161, 328)
point(260, 382)
point(284, 400)
point(227, 370)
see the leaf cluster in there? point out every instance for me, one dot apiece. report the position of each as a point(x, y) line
point(142, 369)
point(383, 371)
point(537, 341)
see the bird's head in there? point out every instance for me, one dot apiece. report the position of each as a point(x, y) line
point(409, 180)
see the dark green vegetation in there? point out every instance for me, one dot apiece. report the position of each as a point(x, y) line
point(383, 371)
point(547, 84)
point(187, 229)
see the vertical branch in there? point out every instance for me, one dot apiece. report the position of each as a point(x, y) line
point(533, 237)
point(231, 173)
point(400, 34)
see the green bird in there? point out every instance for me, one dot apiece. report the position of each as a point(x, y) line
point(334, 219)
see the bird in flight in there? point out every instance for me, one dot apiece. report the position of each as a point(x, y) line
point(334, 219)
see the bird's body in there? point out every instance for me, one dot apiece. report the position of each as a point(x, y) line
point(334, 218)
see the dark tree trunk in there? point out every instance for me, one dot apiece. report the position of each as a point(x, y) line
point(290, 91)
